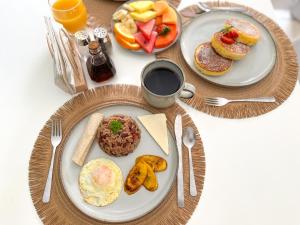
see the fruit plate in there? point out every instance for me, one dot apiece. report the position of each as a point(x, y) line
point(254, 67)
point(155, 50)
point(126, 207)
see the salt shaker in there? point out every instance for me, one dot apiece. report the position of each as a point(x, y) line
point(82, 39)
point(101, 35)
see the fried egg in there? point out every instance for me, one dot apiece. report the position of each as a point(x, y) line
point(100, 182)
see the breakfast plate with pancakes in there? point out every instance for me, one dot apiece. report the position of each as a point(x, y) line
point(228, 48)
point(100, 185)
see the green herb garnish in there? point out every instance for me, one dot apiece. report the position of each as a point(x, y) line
point(226, 29)
point(115, 126)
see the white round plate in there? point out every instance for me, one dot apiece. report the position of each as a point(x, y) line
point(126, 207)
point(253, 68)
point(155, 50)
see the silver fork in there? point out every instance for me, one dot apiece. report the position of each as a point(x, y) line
point(218, 101)
point(56, 136)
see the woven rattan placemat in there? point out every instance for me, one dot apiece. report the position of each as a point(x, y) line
point(279, 83)
point(60, 210)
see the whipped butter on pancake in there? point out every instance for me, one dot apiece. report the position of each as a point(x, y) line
point(248, 32)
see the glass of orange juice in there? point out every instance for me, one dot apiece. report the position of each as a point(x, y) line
point(72, 14)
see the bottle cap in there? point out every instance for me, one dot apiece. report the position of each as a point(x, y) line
point(100, 33)
point(94, 47)
point(82, 38)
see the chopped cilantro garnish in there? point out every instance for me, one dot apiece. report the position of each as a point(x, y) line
point(115, 126)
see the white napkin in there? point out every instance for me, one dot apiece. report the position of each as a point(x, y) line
point(63, 69)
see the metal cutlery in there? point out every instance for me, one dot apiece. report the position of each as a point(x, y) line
point(56, 136)
point(218, 101)
point(204, 7)
point(178, 134)
point(189, 142)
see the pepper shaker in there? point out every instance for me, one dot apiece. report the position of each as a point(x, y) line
point(101, 35)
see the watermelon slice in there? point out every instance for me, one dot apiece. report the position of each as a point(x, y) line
point(147, 45)
point(146, 28)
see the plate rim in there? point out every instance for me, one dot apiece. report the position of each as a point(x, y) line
point(230, 85)
point(131, 104)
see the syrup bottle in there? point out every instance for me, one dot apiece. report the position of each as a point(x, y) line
point(99, 65)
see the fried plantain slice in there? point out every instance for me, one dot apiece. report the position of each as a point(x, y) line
point(157, 163)
point(150, 183)
point(135, 178)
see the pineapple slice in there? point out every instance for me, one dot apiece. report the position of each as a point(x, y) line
point(143, 17)
point(142, 6)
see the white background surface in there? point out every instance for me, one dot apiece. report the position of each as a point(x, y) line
point(252, 173)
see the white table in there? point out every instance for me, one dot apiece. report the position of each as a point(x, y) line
point(252, 164)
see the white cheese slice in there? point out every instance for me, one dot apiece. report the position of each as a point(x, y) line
point(156, 125)
point(87, 138)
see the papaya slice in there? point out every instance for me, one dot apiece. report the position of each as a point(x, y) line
point(158, 20)
point(166, 39)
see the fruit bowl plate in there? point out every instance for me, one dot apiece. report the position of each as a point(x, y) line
point(146, 26)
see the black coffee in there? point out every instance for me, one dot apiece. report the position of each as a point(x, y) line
point(162, 81)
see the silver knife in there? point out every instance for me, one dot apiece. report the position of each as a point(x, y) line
point(178, 134)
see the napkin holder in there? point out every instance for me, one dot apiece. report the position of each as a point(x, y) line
point(68, 71)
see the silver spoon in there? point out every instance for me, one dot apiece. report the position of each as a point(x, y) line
point(189, 142)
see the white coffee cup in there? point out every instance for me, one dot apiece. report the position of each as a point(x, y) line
point(185, 90)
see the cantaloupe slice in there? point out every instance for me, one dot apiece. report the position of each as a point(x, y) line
point(170, 16)
point(160, 7)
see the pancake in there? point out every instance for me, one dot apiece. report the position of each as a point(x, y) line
point(234, 51)
point(248, 33)
point(209, 62)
